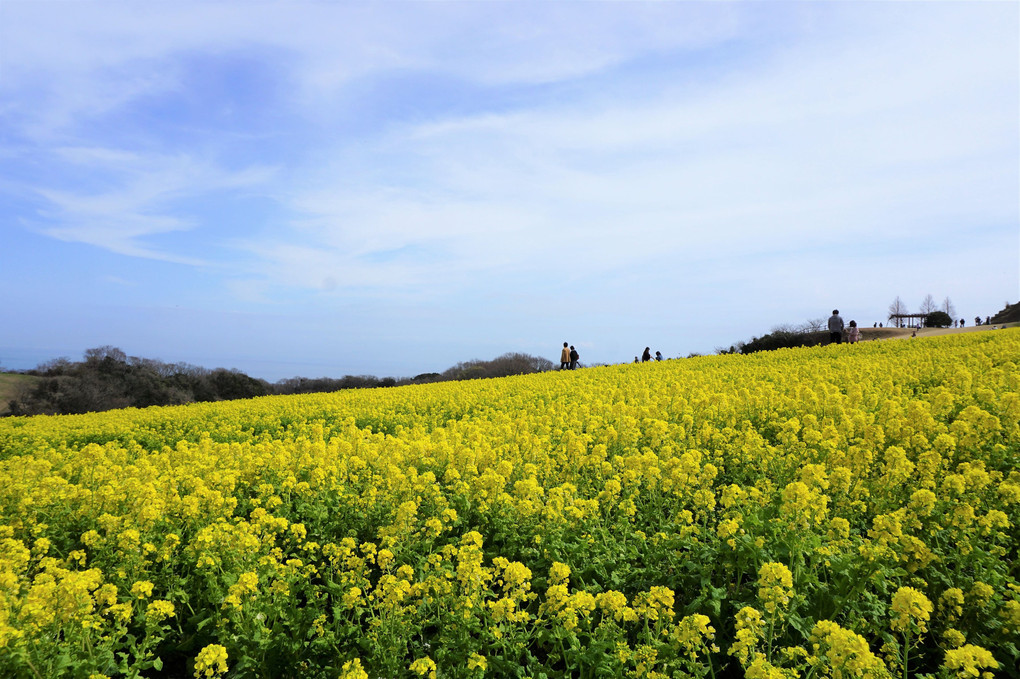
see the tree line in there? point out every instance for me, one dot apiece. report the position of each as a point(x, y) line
point(107, 378)
point(931, 312)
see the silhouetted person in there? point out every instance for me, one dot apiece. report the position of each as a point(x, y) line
point(835, 327)
point(963, 321)
point(573, 357)
point(647, 356)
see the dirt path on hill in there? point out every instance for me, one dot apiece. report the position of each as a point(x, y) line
point(868, 334)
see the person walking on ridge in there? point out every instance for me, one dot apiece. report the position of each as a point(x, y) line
point(565, 357)
point(835, 327)
point(574, 356)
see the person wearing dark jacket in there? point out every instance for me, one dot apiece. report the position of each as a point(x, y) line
point(573, 357)
point(835, 327)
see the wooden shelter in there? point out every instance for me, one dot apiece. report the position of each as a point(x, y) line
point(909, 317)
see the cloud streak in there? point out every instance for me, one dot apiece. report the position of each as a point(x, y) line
point(125, 199)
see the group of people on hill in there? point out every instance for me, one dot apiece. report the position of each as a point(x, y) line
point(836, 328)
point(647, 356)
point(569, 357)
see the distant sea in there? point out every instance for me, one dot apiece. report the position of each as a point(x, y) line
point(19, 358)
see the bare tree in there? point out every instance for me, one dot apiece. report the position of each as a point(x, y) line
point(99, 354)
point(947, 306)
point(897, 308)
point(928, 305)
point(814, 325)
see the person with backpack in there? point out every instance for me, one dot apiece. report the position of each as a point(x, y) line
point(573, 357)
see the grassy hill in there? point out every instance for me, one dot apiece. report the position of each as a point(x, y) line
point(10, 384)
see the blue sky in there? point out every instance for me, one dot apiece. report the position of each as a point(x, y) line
point(388, 188)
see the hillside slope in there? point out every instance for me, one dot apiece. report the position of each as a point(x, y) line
point(10, 385)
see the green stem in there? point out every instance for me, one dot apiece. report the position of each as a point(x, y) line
point(563, 651)
point(32, 667)
point(906, 654)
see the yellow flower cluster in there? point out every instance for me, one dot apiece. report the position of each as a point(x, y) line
point(159, 610)
point(352, 669)
point(910, 610)
point(806, 510)
point(970, 661)
point(211, 661)
point(842, 653)
point(775, 586)
point(424, 667)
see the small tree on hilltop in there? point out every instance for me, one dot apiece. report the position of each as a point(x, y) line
point(947, 306)
point(928, 305)
point(896, 309)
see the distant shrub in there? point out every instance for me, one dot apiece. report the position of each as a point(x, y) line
point(502, 366)
point(938, 319)
point(783, 339)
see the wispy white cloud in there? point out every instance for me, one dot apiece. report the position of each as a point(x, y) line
point(115, 55)
point(127, 198)
point(876, 136)
point(114, 52)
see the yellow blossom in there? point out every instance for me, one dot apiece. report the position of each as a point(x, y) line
point(910, 610)
point(159, 610)
point(969, 661)
point(352, 670)
point(211, 662)
point(424, 667)
point(775, 586)
point(142, 589)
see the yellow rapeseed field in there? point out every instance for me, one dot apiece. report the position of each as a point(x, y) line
point(845, 511)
